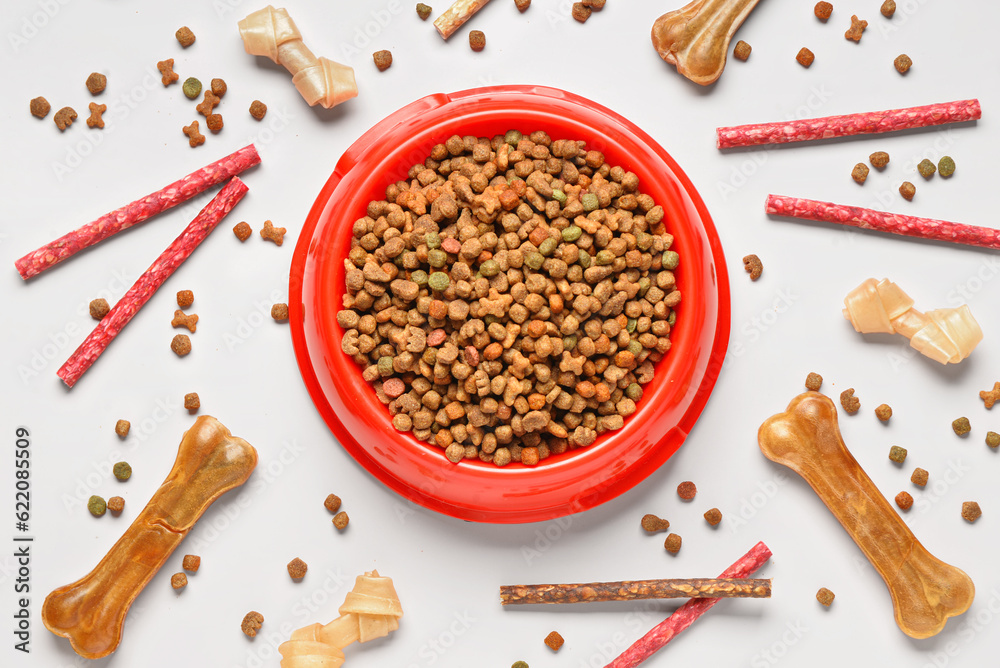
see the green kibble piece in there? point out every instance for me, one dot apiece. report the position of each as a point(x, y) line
point(604, 257)
point(547, 248)
point(519, 664)
point(631, 324)
point(433, 240)
point(897, 454)
point(122, 471)
point(672, 318)
point(438, 281)
point(634, 347)
point(419, 277)
point(191, 88)
point(926, 168)
point(993, 439)
point(385, 366)
point(559, 196)
point(946, 166)
point(569, 342)
point(489, 269)
point(489, 319)
point(534, 260)
point(634, 392)
point(584, 259)
point(97, 506)
point(644, 284)
point(643, 241)
point(670, 260)
point(590, 202)
point(513, 137)
point(437, 258)
point(961, 426)
point(571, 233)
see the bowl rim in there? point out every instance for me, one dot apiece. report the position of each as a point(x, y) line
point(423, 475)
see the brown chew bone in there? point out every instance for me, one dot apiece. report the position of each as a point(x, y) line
point(925, 591)
point(91, 611)
point(696, 37)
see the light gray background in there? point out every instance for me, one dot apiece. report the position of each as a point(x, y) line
point(447, 571)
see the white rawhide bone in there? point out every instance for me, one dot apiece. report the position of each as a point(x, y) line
point(456, 15)
point(945, 335)
point(271, 33)
point(696, 37)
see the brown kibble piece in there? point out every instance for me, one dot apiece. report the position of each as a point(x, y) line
point(961, 426)
point(883, 412)
point(823, 10)
point(713, 516)
point(596, 5)
point(850, 402)
point(581, 12)
point(888, 8)
point(907, 190)
point(185, 36)
point(40, 107)
point(214, 123)
point(185, 298)
point(99, 308)
point(825, 596)
point(742, 50)
point(687, 490)
point(297, 569)
point(814, 381)
point(971, 511)
point(219, 87)
point(332, 503)
point(122, 428)
point(522, 5)
point(192, 402)
point(242, 231)
point(279, 312)
point(424, 11)
point(191, 563)
point(902, 63)
point(95, 120)
point(383, 59)
point(990, 397)
point(651, 523)
point(904, 500)
point(857, 28)
point(183, 320)
point(340, 520)
point(96, 83)
point(860, 172)
point(879, 159)
point(64, 118)
point(272, 233)
point(753, 266)
point(181, 345)
point(993, 439)
point(805, 57)
point(168, 76)
point(195, 138)
point(672, 544)
point(477, 40)
point(116, 504)
point(554, 641)
point(258, 109)
point(252, 623)
point(208, 104)
point(178, 581)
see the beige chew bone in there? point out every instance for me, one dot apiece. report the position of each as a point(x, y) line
point(271, 33)
point(696, 37)
point(945, 335)
point(91, 611)
point(925, 591)
point(371, 610)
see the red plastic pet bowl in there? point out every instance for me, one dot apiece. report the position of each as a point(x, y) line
point(558, 485)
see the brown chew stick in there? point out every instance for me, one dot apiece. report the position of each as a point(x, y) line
point(635, 590)
point(453, 18)
point(91, 611)
point(696, 37)
point(925, 591)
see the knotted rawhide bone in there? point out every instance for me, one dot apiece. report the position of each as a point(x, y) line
point(91, 611)
point(696, 37)
point(271, 33)
point(635, 590)
point(925, 591)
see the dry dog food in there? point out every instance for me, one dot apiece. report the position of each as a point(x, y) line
point(424, 11)
point(272, 233)
point(279, 312)
point(823, 10)
point(96, 505)
point(258, 109)
point(183, 320)
point(672, 544)
point(383, 59)
point(192, 402)
point(252, 623)
point(167, 74)
point(116, 504)
point(990, 397)
point(897, 454)
point(961, 426)
point(185, 298)
point(521, 287)
point(883, 412)
point(122, 471)
point(99, 308)
point(888, 8)
point(850, 402)
point(340, 520)
point(185, 36)
point(332, 503)
point(814, 381)
point(554, 641)
point(214, 123)
point(742, 50)
point(96, 83)
point(596, 5)
point(946, 166)
point(297, 569)
point(581, 12)
point(971, 511)
point(879, 159)
point(191, 563)
point(39, 107)
point(825, 596)
point(522, 5)
point(907, 190)
point(242, 231)
point(805, 57)
point(857, 28)
point(477, 40)
point(95, 120)
point(713, 516)
point(195, 138)
point(919, 477)
point(902, 63)
point(178, 580)
point(860, 172)
point(651, 523)
point(181, 345)
point(753, 266)
point(191, 88)
point(219, 87)
point(64, 118)
point(992, 439)
point(208, 104)
point(904, 500)
point(926, 168)
point(687, 490)
point(122, 428)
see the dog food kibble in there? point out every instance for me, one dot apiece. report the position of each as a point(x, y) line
point(713, 516)
point(122, 427)
point(181, 319)
point(178, 580)
point(519, 664)
point(96, 83)
point(687, 490)
point(477, 40)
point(926, 168)
point(207, 104)
point(39, 107)
point(971, 511)
point(879, 159)
point(195, 138)
point(332, 503)
point(99, 308)
point(946, 166)
point(185, 36)
point(219, 87)
point(522, 5)
point(181, 345)
point(258, 109)
point(116, 504)
point(192, 402)
point(992, 439)
point(961, 426)
point(95, 120)
point(297, 569)
point(825, 596)
point(857, 28)
point(651, 523)
point(424, 11)
point(919, 477)
point(122, 471)
point(340, 520)
point(823, 10)
point(191, 563)
point(383, 59)
point(850, 402)
point(242, 231)
point(581, 12)
point(907, 190)
point(990, 397)
point(64, 118)
point(167, 74)
point(554, 641)
point(185, 298)
point(596, 5)
point(97, 506)
point(814, 381)
point(672, 544)
point(279, 312)
point(742, 50)
point(191, 88)
point(805, 57)
point(883, 412)
point(897, 454)
point(272, 233)
point(860, 172)
point(252, 623)
point(888, 8)
point(753, 266)
point(902, 63)
point(214, 123)
point(904, 500)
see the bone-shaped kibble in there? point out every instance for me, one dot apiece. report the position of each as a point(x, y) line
point(925, 591)
point(91, 611)
point(696, 37)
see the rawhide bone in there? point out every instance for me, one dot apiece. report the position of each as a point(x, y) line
point(271, 33)
point(91, 611)
point(925, 591)
point(696, 37)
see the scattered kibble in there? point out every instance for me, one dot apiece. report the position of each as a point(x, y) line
point(990, 397)
point(181, 345)
point(167, 74)
point(672, 544)
point(971, 511)
point(97, 506)
point(946, 166)
point(992, 439)
point(219, 87)
point(961, 426)
point(926, 168)
point(258, 109)
point(742, 50)
point(805, 57)
point(904, 500)
point(99, 308)
point(888, 8)
point(883, 412)
point(651, 523)
point(857, 28)
point(185, 298)
point(477, 40)
point(919, 477)
point(713, 516)
point(272, 233)
point(192, 402)
point(116, 504)
point(850, 402)
point(383, 59)
point(191, 88)
point(214, 123)
point(554, 641)
point(191, 563)
point(902, 63)
point(178, 580)
point(242, 231)
point(39, 107)
point(185, 36)
point(687, 490)
point(195, 138)
point(122, 427)
point(825, 596)
point(297, 569)
point(122, 471)
point(252, 623)
point(522, 5)
point(860, 172)
point(753, 266)
point(581, 12)
point(424, 11)
point(181, 319)
point(879, 159)
point(596, 5)
point(279, 312)
point(95, 120)
point(814, 381)
point(897, 454)
point(96, 83)
point(907, 190)
point(823, 10)
point(207, 104)
point(64, 118)
point(519, 664)
point(340, 520)
point(332, 503)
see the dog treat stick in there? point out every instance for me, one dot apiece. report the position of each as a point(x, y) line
point(271, 33)
point(91, 611)
point(634, 590)
point(685, 615)
point(925, 591)
point(147, 284)
point(848, 125)
point(180, 191)
point(456, 15)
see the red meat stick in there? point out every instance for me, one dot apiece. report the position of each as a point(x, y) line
point(180, 191)
point(684, 616)
point(147, 284)
point(847, 125)
point(893, 223)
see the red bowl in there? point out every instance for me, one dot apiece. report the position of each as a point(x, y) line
point(562, 484)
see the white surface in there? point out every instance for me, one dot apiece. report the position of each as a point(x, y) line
point(447, 571)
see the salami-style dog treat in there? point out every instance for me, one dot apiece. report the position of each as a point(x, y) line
point(176, 193)
point(685, 615)
point(147, 284)
point(882, 221)
point(634, 590)
point(848, 125)
point(456, 15)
